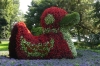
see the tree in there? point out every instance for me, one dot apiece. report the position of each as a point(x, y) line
point(15, 10)
point(12, 11)
point(8, 11)
point(3, 21)
point(97, 12)
point(93, 41)
point(84, 8)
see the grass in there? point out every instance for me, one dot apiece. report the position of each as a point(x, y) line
point(4, 46)
point(98, 51)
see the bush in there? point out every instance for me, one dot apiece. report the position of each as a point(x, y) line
point(37, 31)
point(93, 41)
point(80, 45)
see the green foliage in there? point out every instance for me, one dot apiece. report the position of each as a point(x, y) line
point(93, 41)
point(15, 11)
point(84, 8)
point(5, 32)
point(97, 9)
point(37, 31)
point(95, 50)
point(3, 22)
point(81, 44)
point(70, 20)
point(47, 30)
point(90, 42)
point(49, 19)
point(97, 13)
point(8, 12)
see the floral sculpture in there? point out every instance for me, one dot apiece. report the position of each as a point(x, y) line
point(51, 44)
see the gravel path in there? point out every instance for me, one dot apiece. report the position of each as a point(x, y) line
point(84, 58)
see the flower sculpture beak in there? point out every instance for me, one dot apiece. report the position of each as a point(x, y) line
point(70, 19)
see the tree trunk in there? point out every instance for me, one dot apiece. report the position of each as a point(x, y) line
point(0, 42)
point(79, 38)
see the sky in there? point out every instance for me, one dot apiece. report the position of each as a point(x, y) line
point(24, 5)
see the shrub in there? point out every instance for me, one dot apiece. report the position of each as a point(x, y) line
point(93, 40)
point(37, 31)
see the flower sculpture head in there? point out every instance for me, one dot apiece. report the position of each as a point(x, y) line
point(55, 17)
point(51, 17)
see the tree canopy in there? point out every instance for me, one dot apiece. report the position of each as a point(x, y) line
point(8, 12)
point(96, 12)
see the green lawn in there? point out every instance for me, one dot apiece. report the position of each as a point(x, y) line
point(4, 46)
point(96, 51)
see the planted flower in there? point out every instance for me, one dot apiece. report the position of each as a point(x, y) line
point(51, 44)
